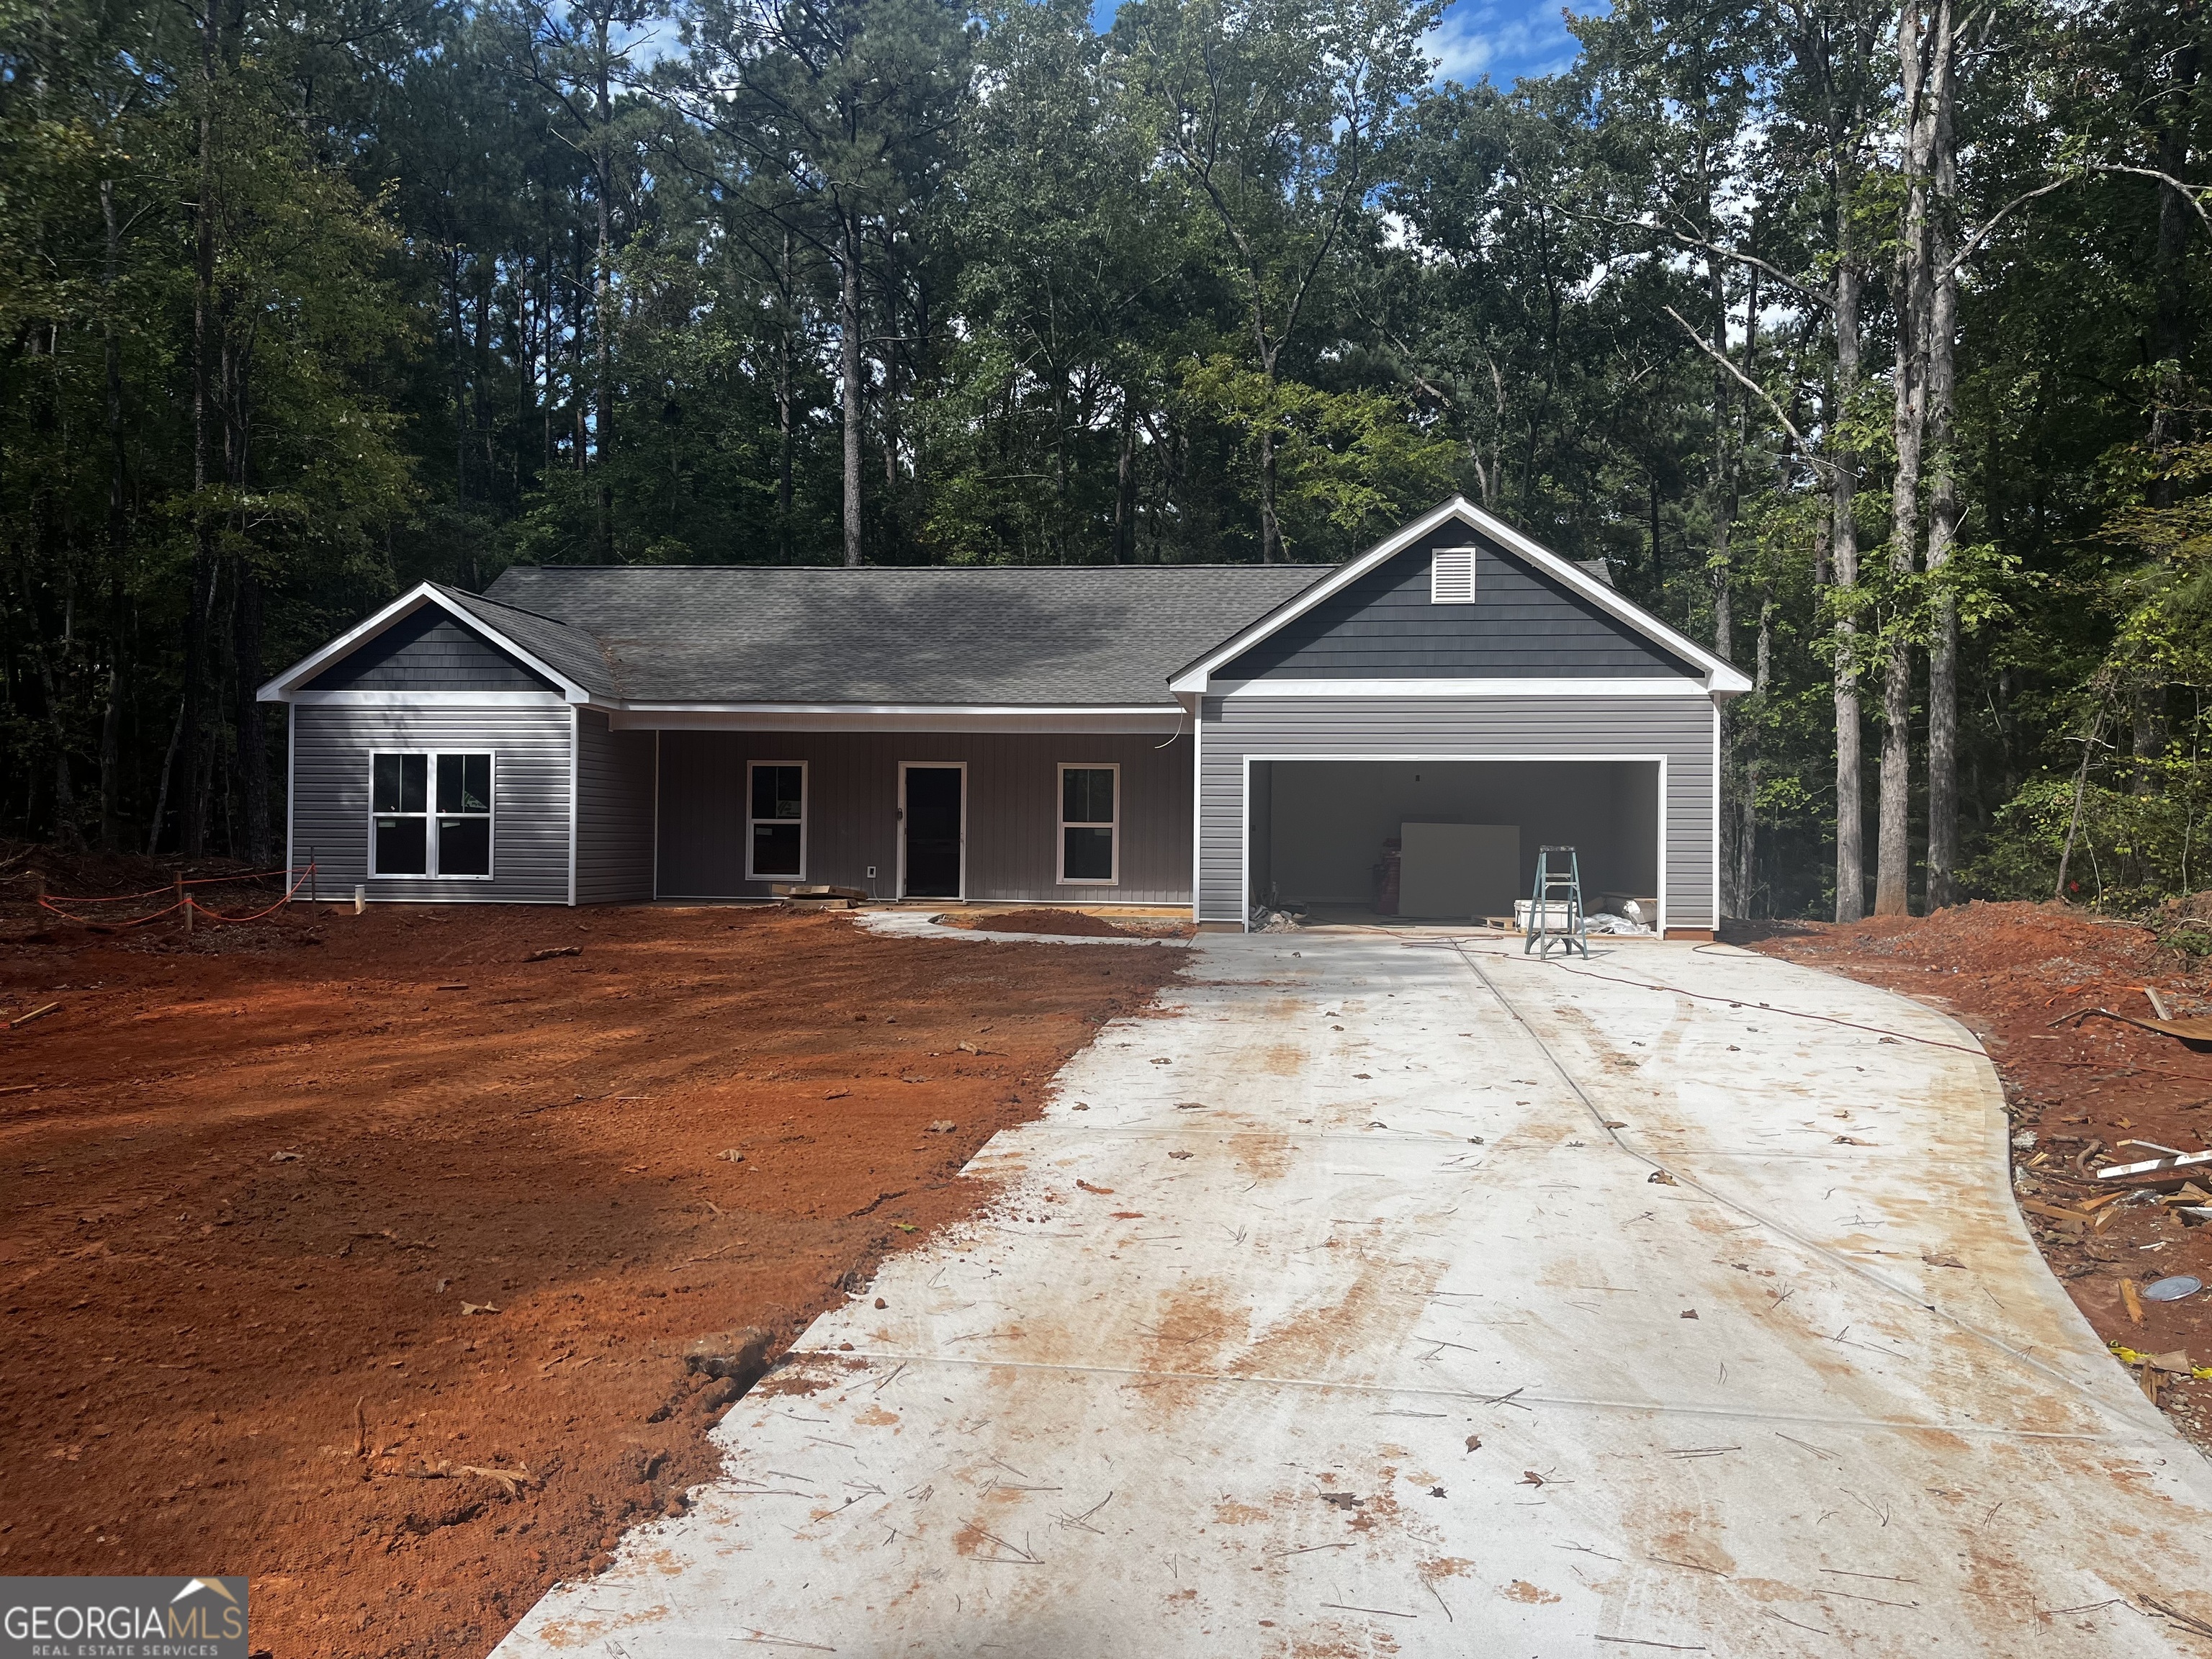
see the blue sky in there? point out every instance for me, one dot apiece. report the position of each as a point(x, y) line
point(1503, 40)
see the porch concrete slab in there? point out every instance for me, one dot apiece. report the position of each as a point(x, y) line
point(1323, 1313)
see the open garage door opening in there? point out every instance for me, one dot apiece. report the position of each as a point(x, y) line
point(1449, 841)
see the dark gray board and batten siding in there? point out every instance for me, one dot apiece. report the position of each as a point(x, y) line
point(1523, 624)
point(1678, 729)
point(851, 819)
point(530, 744)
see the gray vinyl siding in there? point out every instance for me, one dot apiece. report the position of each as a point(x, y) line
point(852, 783)
point(1680, 729)
point(1522, 625)
point(331, 747)
point(614, 812)
point(428, 651)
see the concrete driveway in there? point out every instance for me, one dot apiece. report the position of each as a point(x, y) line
point(1391, 1296)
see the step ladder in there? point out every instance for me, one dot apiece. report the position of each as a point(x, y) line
point(1555, 905)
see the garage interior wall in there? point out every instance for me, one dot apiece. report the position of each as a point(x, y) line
point(1318, 826)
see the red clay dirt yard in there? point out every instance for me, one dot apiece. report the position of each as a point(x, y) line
point(2084, 1093)
point(363, 1254)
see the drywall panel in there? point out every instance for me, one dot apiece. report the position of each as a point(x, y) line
point(1458, 869)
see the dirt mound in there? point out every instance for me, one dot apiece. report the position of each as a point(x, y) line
point(2081, 1087)
point(1070, 923)
point(364, 1254)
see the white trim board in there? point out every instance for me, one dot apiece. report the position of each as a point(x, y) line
point(1152, 721)
point(575, 757)
point(1718, 847)
point(1247, 689)
point(1722, 679)
point(428, 700)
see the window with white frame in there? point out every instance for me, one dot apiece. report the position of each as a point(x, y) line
point(776, 821)
point(430, 815)
point(1089, 825)
point(1451, 576)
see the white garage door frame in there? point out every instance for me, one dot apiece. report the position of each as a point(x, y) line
point(1244, 805)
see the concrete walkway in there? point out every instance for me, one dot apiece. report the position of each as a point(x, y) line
point(1400, 1296)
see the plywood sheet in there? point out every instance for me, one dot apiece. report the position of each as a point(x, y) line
point(1458, 869)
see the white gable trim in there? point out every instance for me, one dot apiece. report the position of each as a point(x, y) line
point(1722, 679)
point(285, 688)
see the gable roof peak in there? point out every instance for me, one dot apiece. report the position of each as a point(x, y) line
point(1722, 679)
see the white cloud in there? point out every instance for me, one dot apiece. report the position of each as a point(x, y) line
point(1502, 40)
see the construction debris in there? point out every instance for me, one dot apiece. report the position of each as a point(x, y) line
point(2160, 1167)
point(814, 896)
point(2196, 1030)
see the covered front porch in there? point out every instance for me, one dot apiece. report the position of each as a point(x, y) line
point(1048, 817)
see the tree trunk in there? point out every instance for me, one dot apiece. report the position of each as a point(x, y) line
point(252, 760)
point(1749, 744)
point(604, 307)
point(1908, 425)
point(2171, 317)
point(161, 790)
point(1844, 545)
point(192, 810)
point(460, 379)
point(1725, 495)
point(1125, 485)
point(783, 395)
point(1270, 533)
point(111, 723)
point(1940, 346)
point(849, 327)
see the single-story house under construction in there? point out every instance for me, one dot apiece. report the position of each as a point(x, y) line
point(1215, 736)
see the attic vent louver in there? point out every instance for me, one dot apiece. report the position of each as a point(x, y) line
point(1451, 576)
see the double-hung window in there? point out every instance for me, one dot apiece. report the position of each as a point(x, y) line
point(430, 815)
point(1089, 825)
point(776, 821)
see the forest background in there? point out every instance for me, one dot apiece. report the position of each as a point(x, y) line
point(1863, 343)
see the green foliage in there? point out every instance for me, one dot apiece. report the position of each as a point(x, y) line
point(1235, 279)
point(2131, 848)
point(1354, 464)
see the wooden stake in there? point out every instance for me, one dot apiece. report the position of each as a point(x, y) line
point(2135, 1303)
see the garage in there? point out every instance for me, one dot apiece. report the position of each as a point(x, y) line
point(1450, 702)
point(1442, 838)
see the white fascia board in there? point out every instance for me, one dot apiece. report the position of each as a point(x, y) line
point(1681, 686)
point(285, 687)
point(427, 699)
point(1148, 719)
point(1722, 680)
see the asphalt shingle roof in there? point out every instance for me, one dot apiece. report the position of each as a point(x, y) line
point(561, 646)
point(1051, 634)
